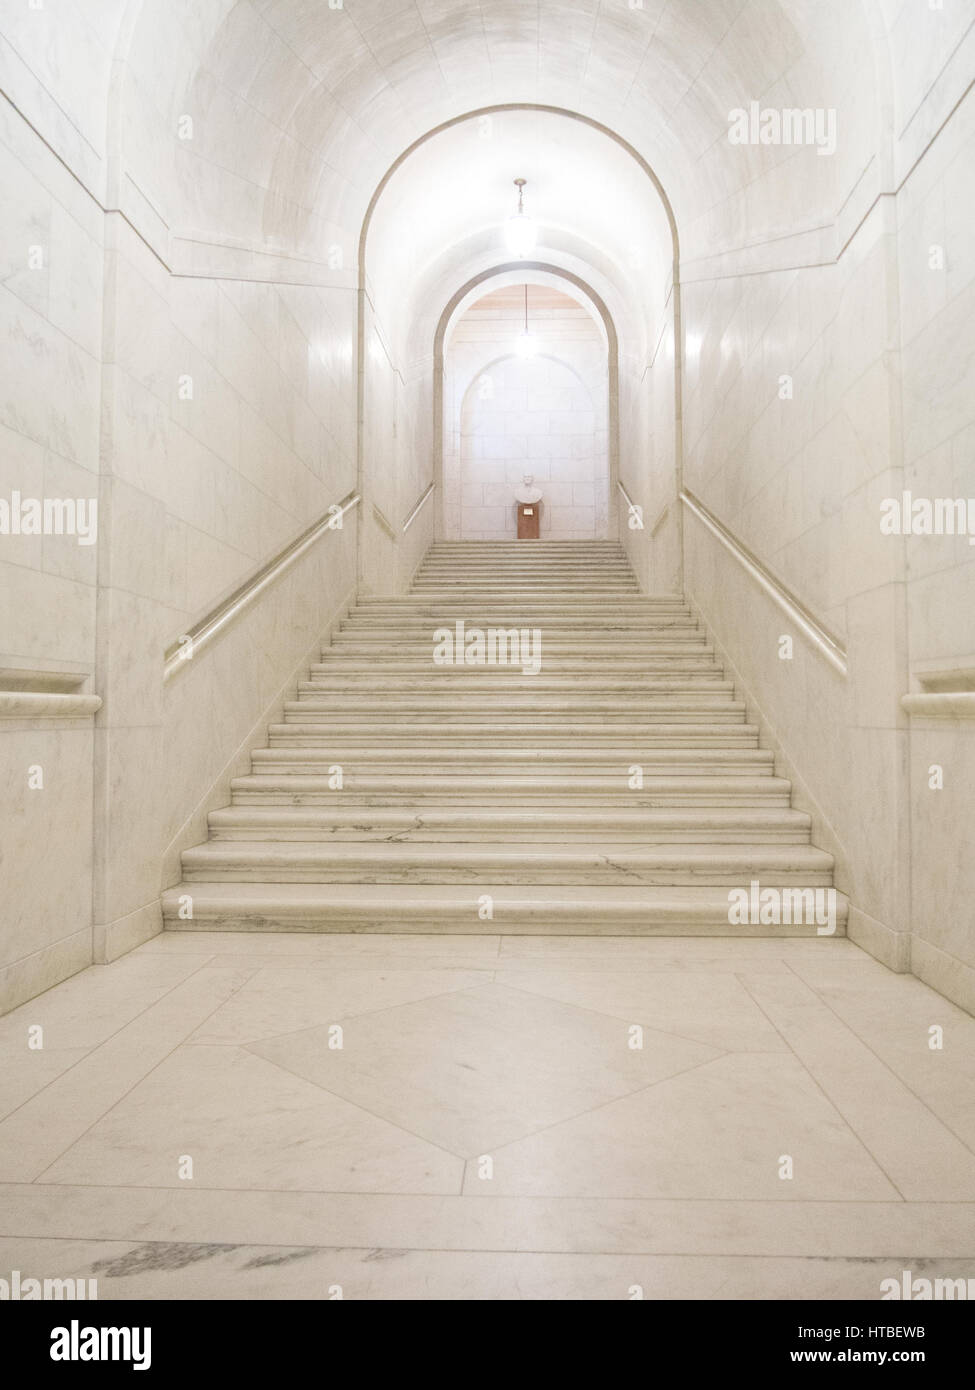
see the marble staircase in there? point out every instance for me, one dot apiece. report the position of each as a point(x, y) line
point(484, 798)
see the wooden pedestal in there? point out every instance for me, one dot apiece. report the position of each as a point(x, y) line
point(529, 515)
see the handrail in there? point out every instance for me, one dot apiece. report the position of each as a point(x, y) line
point(202, 633)
point(634, 507)
point(413, 514)
point(824, 642)
point(380, 519)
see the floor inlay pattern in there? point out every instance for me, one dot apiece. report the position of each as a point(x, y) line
point(427, 1117)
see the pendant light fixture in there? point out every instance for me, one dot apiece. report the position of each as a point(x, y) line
point(525, 345)
point(520, 230)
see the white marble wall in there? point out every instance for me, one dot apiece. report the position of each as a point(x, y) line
point(212, 414)
point(649, 523)
point(397, 458)
point(799, 479)
point(227, 430)
point(877, 349)
point(937, 298)
point(50, 346)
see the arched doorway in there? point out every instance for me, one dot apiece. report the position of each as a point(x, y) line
point(526, 393)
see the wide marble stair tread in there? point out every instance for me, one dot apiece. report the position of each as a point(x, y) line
point(421, 908)
point(390, 788)
point(392, 862)
point(735, 825)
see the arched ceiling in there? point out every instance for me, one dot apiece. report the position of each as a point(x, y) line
point(299, 109)
point(440, 218)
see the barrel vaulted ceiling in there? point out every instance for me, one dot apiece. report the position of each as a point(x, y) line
point(299, 109)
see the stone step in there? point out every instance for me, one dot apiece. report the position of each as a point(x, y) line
point(483, 680)
point(513, 560)
point(422, 629)
point(525, 910)
point(491, 592)
point(569, 607)
point(550, 583)
point(470, 763)
point(283, 861)
point(465, 707)
point(449, 606)
point(735, 825)
point(314, 706)
point(519, 552)
point(508, 560)
point(583, 629)
point(510, 569)
point(590, 652)
point(577, 655)
point(548, 588)
point(497, 617)
point(590, 630)
point(496, 590)
point(573, 637)
point(456, 681)
point(422, 739)
point(551, 563)
point(521, 549)
point(519, 545)
point(480, 680)
point(552, 575)
point(542, 615)
point(539, 787)
point(624, 731)
point(351, 662)
point(522, 552)
point(539, 543)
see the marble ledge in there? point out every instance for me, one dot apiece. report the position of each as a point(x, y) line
point(34, 704)
point(954, 704)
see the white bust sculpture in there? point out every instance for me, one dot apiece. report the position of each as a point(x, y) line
point(528, 492)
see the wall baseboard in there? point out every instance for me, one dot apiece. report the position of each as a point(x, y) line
point(947, 974)
point(891, 948)
point(110, 940)
point(30, 976)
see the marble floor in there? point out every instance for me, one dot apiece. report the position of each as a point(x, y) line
point(237, 1115)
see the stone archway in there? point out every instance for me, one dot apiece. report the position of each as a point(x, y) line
point(600, 313)
point(668, 209)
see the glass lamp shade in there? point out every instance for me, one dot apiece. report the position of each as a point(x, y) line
point(520, 233)
point(525, 345)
